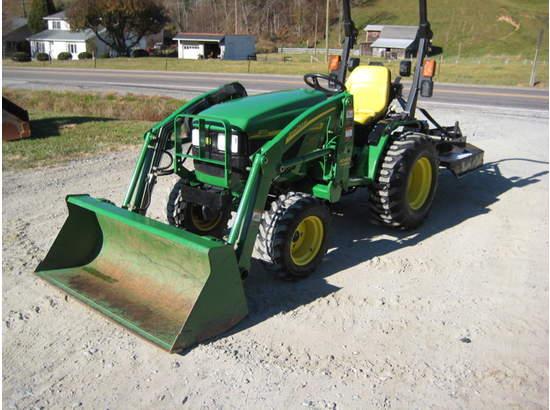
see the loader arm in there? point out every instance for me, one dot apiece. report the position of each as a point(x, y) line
point(156, 141)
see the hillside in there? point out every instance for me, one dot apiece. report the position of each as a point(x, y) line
point(476, 27)
point(483, 27)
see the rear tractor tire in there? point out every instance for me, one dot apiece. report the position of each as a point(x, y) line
point(293, 235)
point(406, 184)
point(193, 217)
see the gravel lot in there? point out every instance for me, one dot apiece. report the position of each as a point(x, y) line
point(454, 315)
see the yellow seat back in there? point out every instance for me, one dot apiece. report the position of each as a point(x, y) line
point(370, 87)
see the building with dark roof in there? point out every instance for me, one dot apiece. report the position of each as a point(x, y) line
point(14, 37)
point(195, 46)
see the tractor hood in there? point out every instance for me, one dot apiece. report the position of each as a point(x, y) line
point(264, 115)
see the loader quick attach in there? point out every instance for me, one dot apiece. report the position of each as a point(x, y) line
point(264, 171)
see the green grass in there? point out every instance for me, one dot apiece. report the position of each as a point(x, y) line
point(513, 71)
point(66, 125)
point(111, 105)
point(267, 64)
point(484, 71)
point(58, 138)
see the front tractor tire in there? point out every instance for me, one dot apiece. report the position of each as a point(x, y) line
point(293, 235)
point(193, 217)
point(406, 184)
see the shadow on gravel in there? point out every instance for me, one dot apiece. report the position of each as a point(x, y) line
point(355, 240)
point(51, 127)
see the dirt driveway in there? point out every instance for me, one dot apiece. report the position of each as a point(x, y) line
point(454, 315)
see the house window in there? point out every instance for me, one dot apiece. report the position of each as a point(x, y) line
point(56, 25)
point(40, 47)
point(72, 48)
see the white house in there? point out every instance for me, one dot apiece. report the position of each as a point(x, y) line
point(60, 38)
point(194, 46)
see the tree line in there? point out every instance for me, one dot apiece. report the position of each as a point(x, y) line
point(273, 22)
point(279, 21)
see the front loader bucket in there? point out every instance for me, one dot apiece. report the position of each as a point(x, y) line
point(172, 287)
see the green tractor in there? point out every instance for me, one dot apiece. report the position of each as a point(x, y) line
point(254, 172)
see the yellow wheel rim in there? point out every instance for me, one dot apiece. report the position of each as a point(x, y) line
point(307, 240)
point(420, 183)
point(200, 222)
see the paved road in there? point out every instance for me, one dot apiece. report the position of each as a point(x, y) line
point(185, 85)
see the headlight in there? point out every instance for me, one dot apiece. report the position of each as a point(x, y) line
point(234, 142)
point(195, 137)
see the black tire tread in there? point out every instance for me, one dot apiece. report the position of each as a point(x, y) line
point(386, 202)
point(172, 200)
point(274, 226)
point(176, 212)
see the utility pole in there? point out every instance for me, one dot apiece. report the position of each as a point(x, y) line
point(326, 30)
point(340, 12)
point(315, 39)
point(236, 27)
point(533, 79)
point(178, 14)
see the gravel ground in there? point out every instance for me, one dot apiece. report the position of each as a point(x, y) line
point(454, 315)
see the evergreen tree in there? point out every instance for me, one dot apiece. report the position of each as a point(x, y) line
point(39, 10)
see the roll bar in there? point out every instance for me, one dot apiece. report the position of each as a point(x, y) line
point(350, 33)
point(424, 36)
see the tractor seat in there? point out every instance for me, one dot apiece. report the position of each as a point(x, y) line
point(370, 86)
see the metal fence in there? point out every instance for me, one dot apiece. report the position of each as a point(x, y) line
point(305, 50)
point(439, 58)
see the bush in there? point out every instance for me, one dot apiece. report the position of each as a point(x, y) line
point(139, 52)
point(84, 55)
point(24, 46)
point(267, 49)
point(171, 53)
point(105, 55)
point(64, 56)
point(42, 57)
point(21, 56)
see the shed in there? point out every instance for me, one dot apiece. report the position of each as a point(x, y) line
point(194, 46)
point(396, 42)
point(390, 41)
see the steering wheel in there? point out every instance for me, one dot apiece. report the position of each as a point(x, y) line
point(313, 81)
